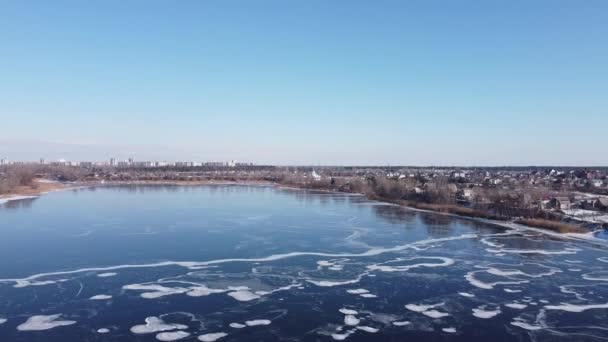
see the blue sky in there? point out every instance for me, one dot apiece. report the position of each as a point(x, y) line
point(306, 82)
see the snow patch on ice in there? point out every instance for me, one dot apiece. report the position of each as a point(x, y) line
point(42, 322)
point(485, 314)
point(243, 295)
point(101, 297)
point(155, 324)
point(172, 336)
point(107, 274)
point(368, 329)
point(212, 337)
point(257, 322)
point(351, 320)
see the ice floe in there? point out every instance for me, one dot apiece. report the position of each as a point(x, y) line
point(101, 297)
point(517, 306)
point(257, 322)
point(348, 312)
point(401, 323)
point(576, 307)
point(596, 276)
point(368, 295)
point(466, 294)
point(512, 291)
point(526, 325)
point(155, 324)
point(42, 322)
point(403, 268)
point(172, 336)
point(422, 307)
point(449, 330)
point(341, 336)
point(3, 320)
point(103, 331)
point(154, 290)
point(212, 337)
point(367, 329)
point(243, 295)
point(107, 274)
point(357, 291)
point(351, 320)
point(568, 250)
point(237, 325)
point(435, 313)
point(480, 312)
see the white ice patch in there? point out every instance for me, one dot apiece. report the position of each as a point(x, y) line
point(603, 259)
point(368, 329)
point(512, 291)
point(576, 308)
point(449, 330)
point(534, 251)
point(435, 314)
point(42, 322)
point(155, 291)
point(257, 322)
point(20, 283)
point(385, 268)
point(200, 291)
point(357, 291)
point(421, 307)
point(517, 306)
point(351, 320)
point(596, 276)
point(172, 336)
point(485, 314)
point(401, 323)
point(3, 320)
point(155, 324)
point(15, 198)
point(103, 331)
point(348, 312)
point(526, 325)
point(465, 294)
point(237, 325)
point(328, 283)
point(341, 337)
point(470, 277)
point(212, 337)
point(368, 295)
point(101, 297)
point(243, 295)
point(107, 274)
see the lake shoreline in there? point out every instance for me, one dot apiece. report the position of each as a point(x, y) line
point(45, 186)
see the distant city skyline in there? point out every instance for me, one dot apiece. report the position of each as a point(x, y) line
point(306, 83)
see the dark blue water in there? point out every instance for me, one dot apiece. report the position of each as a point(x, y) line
point(239, 263)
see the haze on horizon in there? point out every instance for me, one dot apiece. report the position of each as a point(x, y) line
point(306, 82)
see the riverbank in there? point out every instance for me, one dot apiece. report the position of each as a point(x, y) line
point(38, 187)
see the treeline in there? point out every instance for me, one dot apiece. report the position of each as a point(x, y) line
point(442, 195)
point(14, 177)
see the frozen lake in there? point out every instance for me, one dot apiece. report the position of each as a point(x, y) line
point(258, 263)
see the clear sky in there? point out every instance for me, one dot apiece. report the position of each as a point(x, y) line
point(306, 82)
